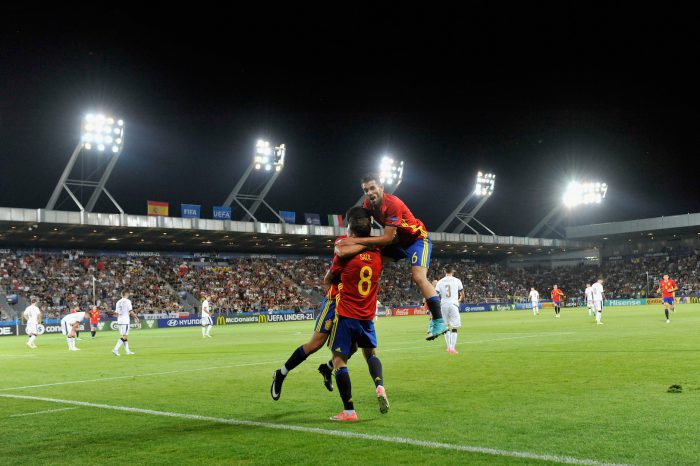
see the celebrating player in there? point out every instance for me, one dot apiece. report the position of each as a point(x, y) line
point(589, 299)
point(69, 327)
point(451, 293)
point(206, 317)
point(94, 314)
point(668, 289)
point(404, 236)
point(32, 315)
point(322, 329)
point(557, 296)
point(597, 289)
point(356, 306)
point(534, 297)
point(124, 311)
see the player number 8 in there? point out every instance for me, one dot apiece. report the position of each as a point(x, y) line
point(365, 279)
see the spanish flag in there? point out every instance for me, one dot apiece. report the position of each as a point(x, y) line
point(158, 208)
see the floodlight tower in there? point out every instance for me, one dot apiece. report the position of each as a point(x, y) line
point(101, 135)
point(577, 193)
point(485, 184)
point(390, 175)
point(267, 158)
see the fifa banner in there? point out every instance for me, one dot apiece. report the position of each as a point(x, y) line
point(624, 302)
point(190, 210)
point(407, 311)
point(288, 216)
point(312, 219)
point(159, 209)
point(8, 330)
point(222, 213)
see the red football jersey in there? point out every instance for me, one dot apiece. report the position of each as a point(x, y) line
point(666, 287)
point(333, 290)
point(94, 317)
point(557, 294)
point(393, 213)
point(359, 280)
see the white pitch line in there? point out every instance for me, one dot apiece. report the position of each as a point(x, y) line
point(42, 412)
point(329, 432)
point(105, 379)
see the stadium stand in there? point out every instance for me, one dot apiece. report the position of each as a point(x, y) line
point(249, 284)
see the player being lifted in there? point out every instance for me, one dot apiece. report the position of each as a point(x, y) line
point(206, 317)
point(534, 297)
point(589, 299)
point(404, 237)
point(451, 293)
point(32, 315)
point(322, 329)
point(124, 312)
point(557, 296)
point(597, 289)
point(356, 306)
point(668, 289)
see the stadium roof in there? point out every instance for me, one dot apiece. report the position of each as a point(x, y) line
point(40, 228)
point(672, 224)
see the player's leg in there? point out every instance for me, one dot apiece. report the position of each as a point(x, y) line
point(209, 326)
point(341, 341)
point(419, 253)
point(204, 329)
point(93, 330)
point(367, 340)
point(126, 341)
point(455, 321)
point(599, 312)
point(667, 307)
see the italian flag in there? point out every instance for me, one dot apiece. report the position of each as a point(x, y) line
point(335, 220)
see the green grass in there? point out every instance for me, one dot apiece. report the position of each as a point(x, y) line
point(562, 387)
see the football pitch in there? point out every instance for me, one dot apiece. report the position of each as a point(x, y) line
point(522, 390)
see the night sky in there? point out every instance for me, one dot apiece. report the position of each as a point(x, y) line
point(537, 97)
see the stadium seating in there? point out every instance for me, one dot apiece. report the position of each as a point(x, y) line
point(250, 284)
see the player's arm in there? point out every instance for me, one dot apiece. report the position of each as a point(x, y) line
point(385, 239)
point(133, 314)
point(328, 279)
point(461, 295)
point(346, 248)
point(39, 317)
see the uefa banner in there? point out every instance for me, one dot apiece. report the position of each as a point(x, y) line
point(221, 213)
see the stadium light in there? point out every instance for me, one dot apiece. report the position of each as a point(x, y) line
point(578, 193)
point(484, 184)
point(390, 171)
point(102, 133)
point(268, 156)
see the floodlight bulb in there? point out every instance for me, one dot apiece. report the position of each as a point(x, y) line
point(88, 127)
point(100, 117)
point(264, 160)
point(88, 146)
point(389, 181)
point(257, 166)
point(115, 149)
point(120, 122)
point(117, 131)
point(278, 168)
point(268, 167)
point(101, 147)
point(99, 138)
point(118, 140)
point(110, 121)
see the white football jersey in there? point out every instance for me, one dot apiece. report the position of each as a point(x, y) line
point(534, 296)
point(123, 308)
point(205, 308)
point(597, 289)
point(73, 317)
point(449, 287)
point(31, 313)
point(589, 294)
